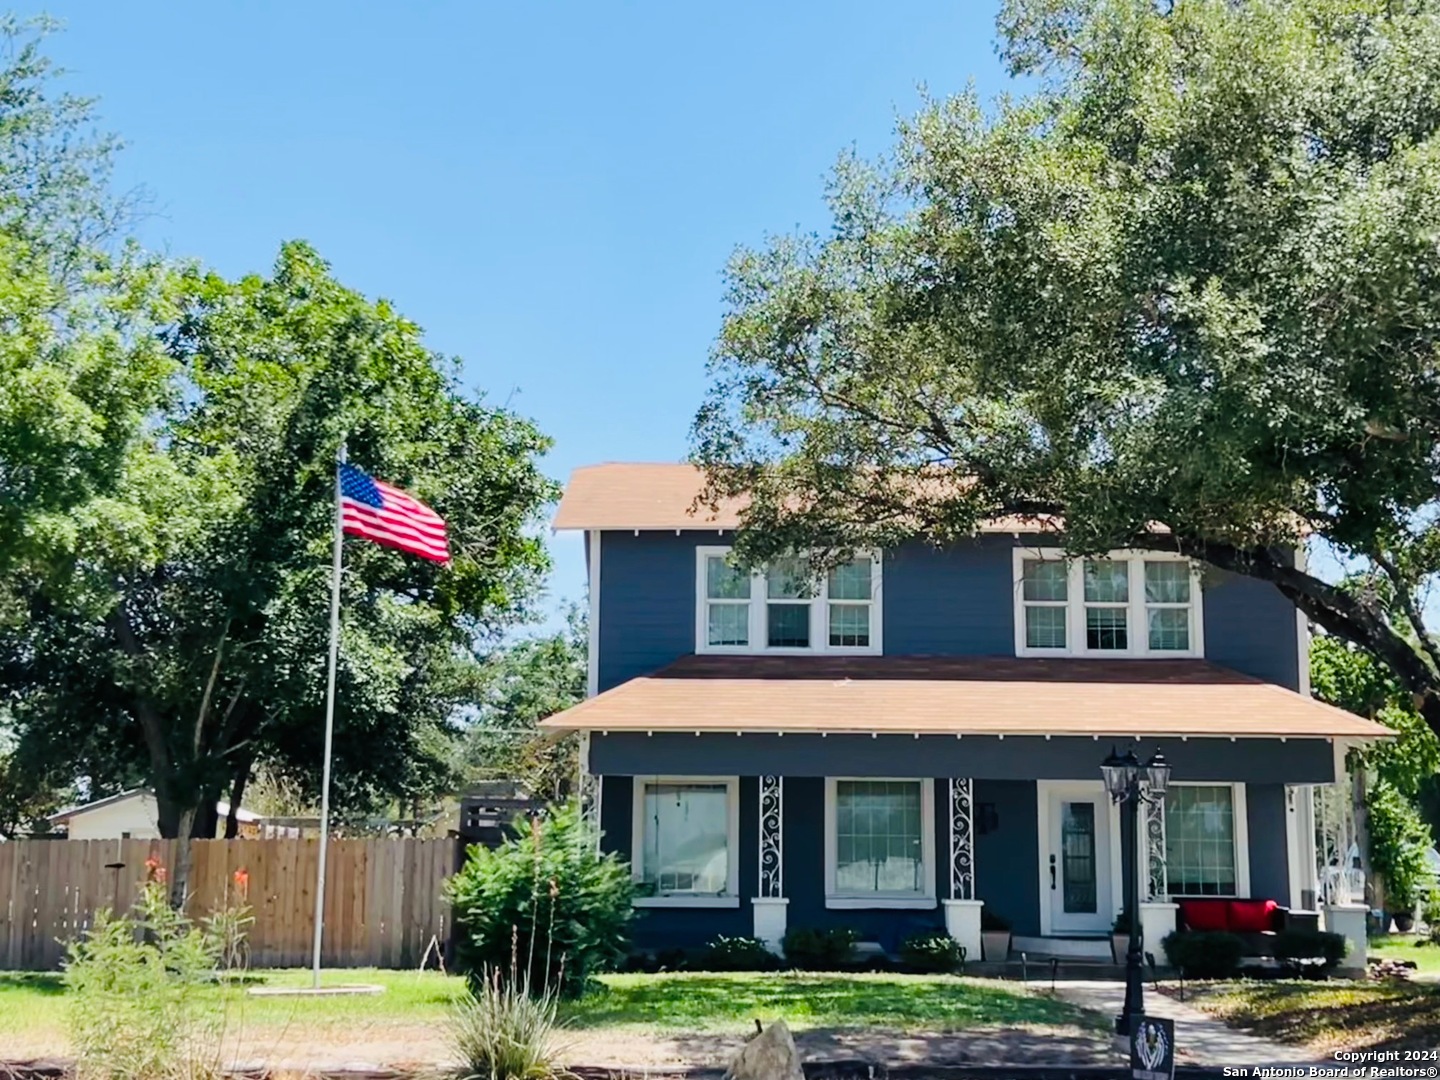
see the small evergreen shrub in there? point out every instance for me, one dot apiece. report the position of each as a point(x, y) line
point(820, 950)
point(932, 952)
point(546, 903)
point(1309, 951)
point(1204, 954)
point(502, 1030)
point(727, 953)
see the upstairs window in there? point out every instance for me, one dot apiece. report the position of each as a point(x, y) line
point(783, 610)
point(1128, 604)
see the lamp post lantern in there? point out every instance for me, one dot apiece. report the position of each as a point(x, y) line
point(1123, 780)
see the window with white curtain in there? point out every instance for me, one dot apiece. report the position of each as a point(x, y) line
point(880, 849)
point(685, 838)
point(1201, 831)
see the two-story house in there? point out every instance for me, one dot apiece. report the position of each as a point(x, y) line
point(918, 736)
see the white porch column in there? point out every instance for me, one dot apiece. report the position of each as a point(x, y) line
point(769, 908)
point(962, 910)
point(1157, 913)
point(587, 789)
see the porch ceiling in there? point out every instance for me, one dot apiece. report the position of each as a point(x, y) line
point(959, 695)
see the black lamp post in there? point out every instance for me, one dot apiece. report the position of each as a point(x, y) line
point(1123, 776)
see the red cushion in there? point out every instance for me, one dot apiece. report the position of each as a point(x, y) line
point(1205, 914)
point(1252, 916)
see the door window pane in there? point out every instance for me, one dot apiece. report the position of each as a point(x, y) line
point(1200, 840)
point(1077, 847)
point(686, 838)
point(878, 843)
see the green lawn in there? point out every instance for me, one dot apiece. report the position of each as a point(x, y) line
point(1408, 947)
point(1329, 1015)
point(701, 1001)
point(32, 1006)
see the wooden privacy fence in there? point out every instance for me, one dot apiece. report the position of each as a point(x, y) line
point(383, 904)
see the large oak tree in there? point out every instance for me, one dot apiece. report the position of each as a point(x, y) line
point(1192, 280)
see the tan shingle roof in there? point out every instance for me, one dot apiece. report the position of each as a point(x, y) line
point(660, 495)
point(959, 695)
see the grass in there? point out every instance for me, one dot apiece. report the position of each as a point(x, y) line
point(1329, 1015)
point(1408, 947)
point(32, 1006)
point(702, 1001)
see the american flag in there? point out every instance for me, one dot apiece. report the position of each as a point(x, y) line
point(373, 510)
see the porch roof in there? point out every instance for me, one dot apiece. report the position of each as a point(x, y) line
point(959, 695)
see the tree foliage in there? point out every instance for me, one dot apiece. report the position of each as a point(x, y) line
point(1192, 280)
point(167, 446)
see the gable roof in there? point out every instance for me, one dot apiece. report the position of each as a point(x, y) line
point(959, 695)
point(60, 817)
point(661, 495)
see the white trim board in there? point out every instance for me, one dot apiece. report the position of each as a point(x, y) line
point(592, 652)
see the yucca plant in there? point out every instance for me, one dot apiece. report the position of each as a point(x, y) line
point(502, 1029)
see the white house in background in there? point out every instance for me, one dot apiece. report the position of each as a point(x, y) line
point(132, 815)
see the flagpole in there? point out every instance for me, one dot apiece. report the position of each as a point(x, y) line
point(329, 723)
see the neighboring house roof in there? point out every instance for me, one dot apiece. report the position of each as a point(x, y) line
point(659, 495)
point(959, 695)
point(62, 816)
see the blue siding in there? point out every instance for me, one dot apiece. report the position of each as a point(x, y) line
point(1265, 822)
point(956, 602)
point(1008, 856)
point(1251, 627)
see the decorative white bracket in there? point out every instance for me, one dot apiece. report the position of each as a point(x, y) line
point(1157, 877)
point(962, 839)
point(772, 818)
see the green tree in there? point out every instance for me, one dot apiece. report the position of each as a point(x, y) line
point(1191, 280)
point(519, 685)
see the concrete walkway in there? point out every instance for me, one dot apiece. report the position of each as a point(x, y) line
point(1200, 1039)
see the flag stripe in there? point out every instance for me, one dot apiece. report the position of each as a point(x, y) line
point(407, 520)
point(437, 552)
point(370, 526)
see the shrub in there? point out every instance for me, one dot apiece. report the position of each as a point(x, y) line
point(1204, 954)
point(820, 950)
point(501, 1030)
point(1399, 840)
point(1430, 913)
point(545, 903)
point(737, 954)
point(137, 987)
point(1323, 950)
point(932, 952)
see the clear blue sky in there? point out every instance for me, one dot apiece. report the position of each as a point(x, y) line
point(550, 189)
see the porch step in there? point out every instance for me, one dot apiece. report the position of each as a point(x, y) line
point(1068, 948)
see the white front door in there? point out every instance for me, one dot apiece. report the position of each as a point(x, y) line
point(1076, 874)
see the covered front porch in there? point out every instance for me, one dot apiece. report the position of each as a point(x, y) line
point(896, 796)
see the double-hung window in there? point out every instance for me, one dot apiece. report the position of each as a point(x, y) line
point(1205, 836)
point(879, 843)
point(1126, 604)
point(783, 608)
point(685, 841)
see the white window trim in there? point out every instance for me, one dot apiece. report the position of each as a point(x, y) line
point(731, 899)
point(1138, 625)
point(819, 615)
point(1242, 834)
point(925, 899)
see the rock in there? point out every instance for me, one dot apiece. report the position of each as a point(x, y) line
point(771, 1055)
